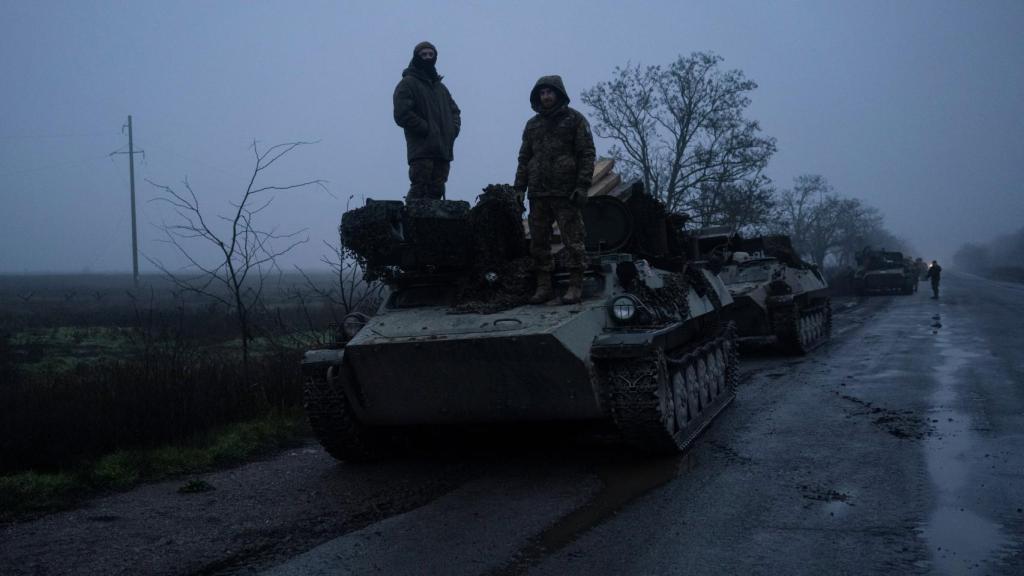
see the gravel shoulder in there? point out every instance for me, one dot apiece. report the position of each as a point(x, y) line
point(255, 515)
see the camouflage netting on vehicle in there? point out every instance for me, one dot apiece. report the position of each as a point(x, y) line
point(486, 294)
point(502, 276)
point(496, 224)
point(374, 232)
point(420, 235)
point(438, 233)
point(670, 303)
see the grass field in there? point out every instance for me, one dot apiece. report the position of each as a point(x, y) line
point(103, 384)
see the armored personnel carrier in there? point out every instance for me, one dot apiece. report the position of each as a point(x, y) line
point(883, 272)
point(646, 349)
point(779, 298)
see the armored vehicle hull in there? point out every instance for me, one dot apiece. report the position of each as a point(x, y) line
point(779, 298)
point(646, 349)
point(788, 307)
point(882, 272)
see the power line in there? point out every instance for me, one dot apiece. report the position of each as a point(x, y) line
point(49, 166)
point(49, 136)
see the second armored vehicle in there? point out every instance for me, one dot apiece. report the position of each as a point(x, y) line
point(881, 272)
point(647, 348)
point(778, 298)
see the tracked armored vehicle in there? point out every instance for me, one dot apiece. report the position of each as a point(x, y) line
point(455, 342)
point(884, 272)
point(779, 299)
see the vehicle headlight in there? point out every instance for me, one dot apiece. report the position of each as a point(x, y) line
point(623, 308)
point(352, 324)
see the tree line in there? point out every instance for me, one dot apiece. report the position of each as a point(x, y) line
point(1001, 258)
point(684, 131)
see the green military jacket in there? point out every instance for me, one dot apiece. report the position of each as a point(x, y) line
point(429, 115)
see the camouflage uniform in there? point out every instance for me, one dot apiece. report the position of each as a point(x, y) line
point(427, 112)
point(556, 160)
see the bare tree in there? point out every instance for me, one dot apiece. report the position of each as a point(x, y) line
point(866, 228)
point(747, 205)
point(973, 258)
point(822, 224)
point(810, 213)
point(355, 291)
point(245, 253)
point(681, 129)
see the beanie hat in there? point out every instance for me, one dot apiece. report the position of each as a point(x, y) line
point(421, 46)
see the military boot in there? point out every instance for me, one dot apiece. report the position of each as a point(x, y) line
point(544, 290)
point(574, 292)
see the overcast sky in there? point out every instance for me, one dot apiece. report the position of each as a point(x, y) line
point(915, 107)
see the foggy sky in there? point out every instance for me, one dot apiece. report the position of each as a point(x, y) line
point(915, 107)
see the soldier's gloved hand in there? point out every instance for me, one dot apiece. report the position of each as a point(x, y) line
point(578, 198)
point(521, 196)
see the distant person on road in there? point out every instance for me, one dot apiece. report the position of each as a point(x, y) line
point(934, 271)
point(556, 166)
point(427, 112)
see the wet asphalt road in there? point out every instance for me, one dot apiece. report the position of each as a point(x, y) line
point(896, 449)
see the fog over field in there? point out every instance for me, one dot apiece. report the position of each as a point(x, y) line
point(915, 107)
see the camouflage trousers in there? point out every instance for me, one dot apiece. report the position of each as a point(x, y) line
point(427, 178)
point(545, 211)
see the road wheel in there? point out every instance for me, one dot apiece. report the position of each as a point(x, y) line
point(334, 422)
point(661, 403)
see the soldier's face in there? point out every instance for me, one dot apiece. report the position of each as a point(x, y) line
point(548, 97)
point(427, 54)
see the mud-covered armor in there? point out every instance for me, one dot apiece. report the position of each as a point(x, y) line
point(884, 272)
point(778, 298)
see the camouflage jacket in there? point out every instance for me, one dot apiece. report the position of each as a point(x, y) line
point(557, 154)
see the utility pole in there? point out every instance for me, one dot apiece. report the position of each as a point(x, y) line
point(131, 175)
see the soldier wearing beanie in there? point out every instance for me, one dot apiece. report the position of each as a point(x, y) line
point(426, 111)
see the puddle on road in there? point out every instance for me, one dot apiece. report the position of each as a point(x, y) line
point(625, 478)
point(959, 539)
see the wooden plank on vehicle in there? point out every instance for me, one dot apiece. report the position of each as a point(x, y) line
point(602, 167)
point(605, 185)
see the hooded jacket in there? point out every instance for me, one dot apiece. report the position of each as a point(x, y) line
point(427, 112)
point(557, 153)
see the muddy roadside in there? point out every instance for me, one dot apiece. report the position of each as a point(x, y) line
point(224, 521)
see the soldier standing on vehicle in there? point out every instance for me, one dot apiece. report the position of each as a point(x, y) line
point(556, 165)
point(431, 119)
point(934, 271)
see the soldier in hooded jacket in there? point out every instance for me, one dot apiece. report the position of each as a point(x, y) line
point(935, 275)
point(556, 166)
point(427, 112)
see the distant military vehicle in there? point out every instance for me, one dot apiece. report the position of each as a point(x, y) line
point(880, 271)
point(455, 341)
point(778, 298)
